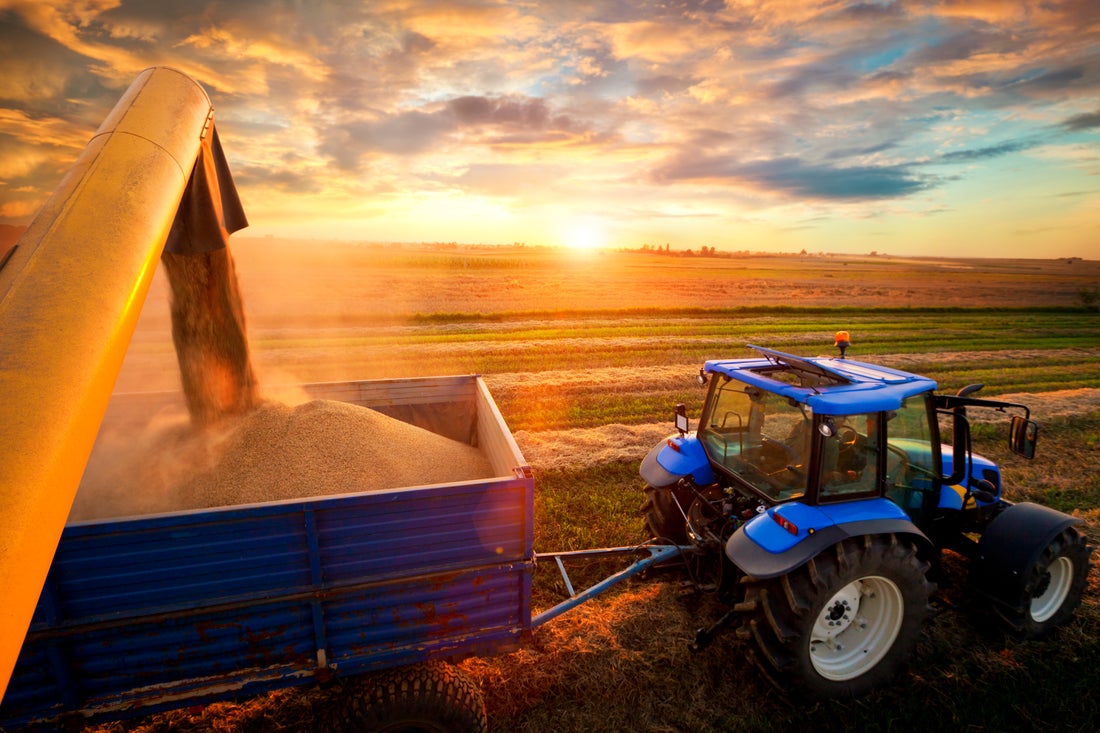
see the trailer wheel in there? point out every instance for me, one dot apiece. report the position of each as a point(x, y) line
point(1052, 587)
point(843, 623)
point(434, 697)
point(663, 517)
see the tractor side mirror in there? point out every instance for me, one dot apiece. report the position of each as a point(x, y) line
point(681, 418)
point(1022, 436)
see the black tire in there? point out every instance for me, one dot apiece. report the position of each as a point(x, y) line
point(843, 623)
point(663, 518)
point(434, 697)
point(1052, 588)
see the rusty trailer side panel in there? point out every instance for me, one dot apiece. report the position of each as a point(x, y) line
point(155, 612)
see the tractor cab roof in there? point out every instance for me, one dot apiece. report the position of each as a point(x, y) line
point(828, 385)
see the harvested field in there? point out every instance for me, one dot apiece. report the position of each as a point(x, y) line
point(274, 452)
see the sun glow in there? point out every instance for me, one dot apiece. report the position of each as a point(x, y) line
point(584, 235)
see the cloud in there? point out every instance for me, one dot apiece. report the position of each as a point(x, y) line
point(507, 180)
point(464, 22)
point(1055, 79)
point(406, 133)
point(282, 178)
point(793, 177)
point(527, 113)
point(511, 121)
point(666, 84)
point(989, 151)
point(1083, 121)
point(964, 43)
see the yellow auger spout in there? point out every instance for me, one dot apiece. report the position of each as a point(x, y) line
point(70, 295)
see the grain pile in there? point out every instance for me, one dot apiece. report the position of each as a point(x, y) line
point(273, 452)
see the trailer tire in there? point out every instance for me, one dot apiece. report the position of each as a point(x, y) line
point(843, 623)
point(663, 518)
point(434, 697)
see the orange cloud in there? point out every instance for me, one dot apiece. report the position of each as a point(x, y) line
point(990, 11)
point(463, 24)
point(658, 42)
point(223, 43)
point(48, 134)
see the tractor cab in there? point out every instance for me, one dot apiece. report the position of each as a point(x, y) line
point(830, 433)
point(817, 430)
point(827, 430)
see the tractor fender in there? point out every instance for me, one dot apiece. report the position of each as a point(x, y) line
point(677, 457)
point(1011, 544)
point(787, 536)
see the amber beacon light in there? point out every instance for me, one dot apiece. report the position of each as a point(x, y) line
point(842, 342)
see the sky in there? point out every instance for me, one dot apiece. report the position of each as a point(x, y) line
point(934, 127)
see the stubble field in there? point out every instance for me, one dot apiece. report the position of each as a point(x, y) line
point(586, 353)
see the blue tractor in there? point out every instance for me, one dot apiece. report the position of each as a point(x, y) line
point(818, 495)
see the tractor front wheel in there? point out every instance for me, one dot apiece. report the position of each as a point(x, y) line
point(843, 623)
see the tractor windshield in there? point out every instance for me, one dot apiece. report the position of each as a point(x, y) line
point(759, 437)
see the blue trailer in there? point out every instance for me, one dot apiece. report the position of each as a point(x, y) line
point(153, 612)
point(814, 498)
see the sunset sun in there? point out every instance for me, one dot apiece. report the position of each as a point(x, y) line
point(584, 235)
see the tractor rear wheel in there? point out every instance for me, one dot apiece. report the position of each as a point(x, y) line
point(843, 623)
point(434, 697)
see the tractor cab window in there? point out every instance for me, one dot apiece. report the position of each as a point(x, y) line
point(913, 458)
point(759, 437)
point(849, 457)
